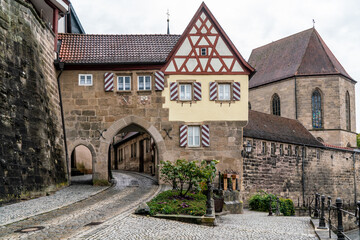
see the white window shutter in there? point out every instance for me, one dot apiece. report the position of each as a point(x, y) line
point(159, 81)
point(236, 91)
point(174, 95)
point(213, 91)
point(197, 91)
point(183, 135)
point(205, 135)
point(109, 82)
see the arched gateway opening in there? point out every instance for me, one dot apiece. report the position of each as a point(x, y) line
point(130, 144)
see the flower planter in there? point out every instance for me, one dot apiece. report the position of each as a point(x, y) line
point(219, 203)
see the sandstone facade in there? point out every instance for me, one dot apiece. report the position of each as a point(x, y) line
point(32, 156)
point(333, 91)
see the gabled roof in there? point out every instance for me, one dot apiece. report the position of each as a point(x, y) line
point(278, 129)
point(205, 32)
point(301, 54)
point(116, 49)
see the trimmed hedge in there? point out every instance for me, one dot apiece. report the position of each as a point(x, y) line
point(261, 201)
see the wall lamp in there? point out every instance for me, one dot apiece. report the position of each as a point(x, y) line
point(247, 150)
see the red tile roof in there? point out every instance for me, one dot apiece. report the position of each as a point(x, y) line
point(301, 54)
point(278, 129)
point(338, 147)
point(115, 49)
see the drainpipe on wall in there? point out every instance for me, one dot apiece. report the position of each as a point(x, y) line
point(296, 111)
point(303, 174)
point(355, 197)
point(61, 66)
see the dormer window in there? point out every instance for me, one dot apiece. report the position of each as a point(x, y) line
point(203, 52)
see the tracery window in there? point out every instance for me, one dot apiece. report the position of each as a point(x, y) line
point(316, 109)
point(347, 110)
point(276, 105)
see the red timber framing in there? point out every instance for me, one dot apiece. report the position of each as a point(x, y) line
point(205, 34)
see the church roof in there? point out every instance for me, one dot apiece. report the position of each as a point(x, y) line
point(301, 54)
point(116, 49)
point(278, 129)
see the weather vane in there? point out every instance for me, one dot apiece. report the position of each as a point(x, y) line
point(168, 17)
point(313, 23)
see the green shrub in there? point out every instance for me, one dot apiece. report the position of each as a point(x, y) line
point(261, 201)
point(170, 202)
point(188, 174)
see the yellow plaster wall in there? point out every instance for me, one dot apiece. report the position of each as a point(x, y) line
point(206, 110)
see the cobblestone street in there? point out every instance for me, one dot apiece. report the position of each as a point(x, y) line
point(110, 215)
point(251, 225)
point(63, 223)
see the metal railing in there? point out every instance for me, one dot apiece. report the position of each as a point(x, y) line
point(337, 209)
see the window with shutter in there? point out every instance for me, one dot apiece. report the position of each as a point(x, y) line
point(183, 135)
point(159, 81)
point(236, 91)
point(173, 91)
point(197, 91)
point(108, 82)
point(205, 135)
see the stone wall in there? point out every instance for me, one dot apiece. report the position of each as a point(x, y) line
point(326, 171)
point(31, 149)
point(90, 109)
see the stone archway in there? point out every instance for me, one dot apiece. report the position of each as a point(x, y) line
point(100, 172)
point(77, 143)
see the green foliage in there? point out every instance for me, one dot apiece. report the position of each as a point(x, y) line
point(170, 202)
point(261, 201)
point(187, 173)
point(358, 140)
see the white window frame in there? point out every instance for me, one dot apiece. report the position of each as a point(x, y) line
point(221, 97)
point(123, 84)
point(186, 98)
point(144, 76)
point(86, 75)
point(192, 137)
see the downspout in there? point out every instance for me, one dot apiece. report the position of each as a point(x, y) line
point(296, 110)
point(61, 66)
point(303, 174)
point(355, 197)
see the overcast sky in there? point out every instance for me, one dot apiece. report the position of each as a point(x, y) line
point(249, 24)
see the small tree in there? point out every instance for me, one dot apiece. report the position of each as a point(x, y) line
point(184, 173)
point(358, 140)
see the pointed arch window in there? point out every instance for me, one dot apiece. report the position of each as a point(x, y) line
point(316, 109)
point(275, 105)
point(347, 111)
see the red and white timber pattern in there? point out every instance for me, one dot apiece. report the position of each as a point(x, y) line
point(183, 135)
point(174, 91)
point(213, 91)
point(159, 81)
point(205, 135)
point(204, 51)
point(108, 82)
point(197, 91)
point(236, 91)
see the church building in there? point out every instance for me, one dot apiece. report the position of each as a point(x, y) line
point(299, 77)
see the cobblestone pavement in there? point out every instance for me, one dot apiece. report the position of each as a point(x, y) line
point(64, 197)
point(251, 225)
point(71, 220)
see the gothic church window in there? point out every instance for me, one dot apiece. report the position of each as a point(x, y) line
point(275, 105)
point(316, 109)
point(347, 110)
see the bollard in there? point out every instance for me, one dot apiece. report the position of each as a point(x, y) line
point(270, 207)
point(277, 207)
point(316, 212)
point(329, 219)
point(358, 212)
point(322, 224)
point(340, 228)
point(220, 188)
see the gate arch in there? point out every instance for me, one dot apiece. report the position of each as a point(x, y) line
point(101, 163)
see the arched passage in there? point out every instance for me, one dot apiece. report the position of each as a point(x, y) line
point(86, 151)
point(125, 125)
